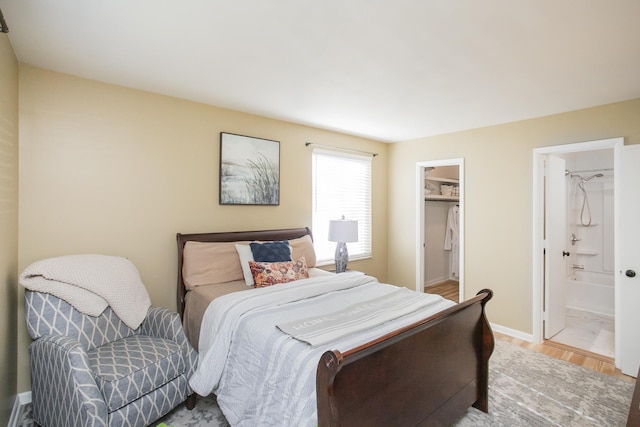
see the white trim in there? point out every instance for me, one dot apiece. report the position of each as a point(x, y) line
point(538, 215)
point(537, 272)
point(21, 400)
point(512, 332)
point(617, 248)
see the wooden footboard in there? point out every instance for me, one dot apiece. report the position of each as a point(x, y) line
point(428, 373)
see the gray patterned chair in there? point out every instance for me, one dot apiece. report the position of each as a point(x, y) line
point(96, 371)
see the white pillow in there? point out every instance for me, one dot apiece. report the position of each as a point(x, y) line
point(245, 254)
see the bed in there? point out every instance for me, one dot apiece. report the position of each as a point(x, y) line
point(424, 368)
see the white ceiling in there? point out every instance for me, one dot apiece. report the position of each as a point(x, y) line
point(390, 70)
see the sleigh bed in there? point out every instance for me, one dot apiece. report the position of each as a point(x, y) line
point(421, 369)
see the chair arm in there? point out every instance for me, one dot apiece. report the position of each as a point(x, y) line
point(64, 392)
point(163, 323)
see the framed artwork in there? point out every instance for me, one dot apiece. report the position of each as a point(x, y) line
point(249, 170)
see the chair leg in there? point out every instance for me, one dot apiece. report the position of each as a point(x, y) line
point(191, 401)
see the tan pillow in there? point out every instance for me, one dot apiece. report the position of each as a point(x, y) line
point(208, 263)
point(303, 247)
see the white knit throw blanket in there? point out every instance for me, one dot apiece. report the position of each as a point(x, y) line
point(90, 283)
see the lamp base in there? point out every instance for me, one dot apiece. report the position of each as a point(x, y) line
point(342, 257)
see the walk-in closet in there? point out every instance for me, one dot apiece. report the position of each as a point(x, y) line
point(442, 225)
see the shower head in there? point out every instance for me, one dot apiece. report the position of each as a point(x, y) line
point(582, 179)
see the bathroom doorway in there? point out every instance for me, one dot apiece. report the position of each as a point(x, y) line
point(548, 254)
point(579, 223)
point(440, 225)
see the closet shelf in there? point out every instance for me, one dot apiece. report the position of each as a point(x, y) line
point(587, 253)
point(441, 198)
point(438, 179)
point(433, 188)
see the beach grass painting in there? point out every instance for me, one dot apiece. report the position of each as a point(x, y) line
point(249, 170)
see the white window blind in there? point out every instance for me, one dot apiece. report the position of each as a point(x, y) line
point(341, 186)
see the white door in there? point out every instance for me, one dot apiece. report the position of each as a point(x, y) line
point(628, 266)
point(555, 247)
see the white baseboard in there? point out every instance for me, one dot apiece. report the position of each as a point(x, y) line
point(19, 408)
point(512, 332)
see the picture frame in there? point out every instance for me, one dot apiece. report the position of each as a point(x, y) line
point(249, 170)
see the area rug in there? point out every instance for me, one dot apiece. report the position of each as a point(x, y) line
point(531, 389)
point(525, 389)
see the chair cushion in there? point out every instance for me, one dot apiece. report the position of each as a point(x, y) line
point(129, 368)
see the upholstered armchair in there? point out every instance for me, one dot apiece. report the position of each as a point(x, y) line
point(96, 371)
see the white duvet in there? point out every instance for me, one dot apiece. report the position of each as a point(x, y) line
point(264, 377)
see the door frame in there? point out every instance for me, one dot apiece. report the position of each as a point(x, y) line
point(420, 220)
point(538, 219)
point(556, 243)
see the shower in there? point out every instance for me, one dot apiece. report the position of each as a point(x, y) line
point(585, 198)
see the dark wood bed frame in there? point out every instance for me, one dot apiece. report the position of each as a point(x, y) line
point(425, 374)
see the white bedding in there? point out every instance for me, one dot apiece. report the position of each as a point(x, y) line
point(264, 377)
point(328, 327)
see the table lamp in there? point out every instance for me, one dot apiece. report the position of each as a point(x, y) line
point(342, 231)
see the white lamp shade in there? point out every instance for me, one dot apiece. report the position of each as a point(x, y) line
point(343, 230)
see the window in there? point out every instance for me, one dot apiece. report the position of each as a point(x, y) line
point(341, 186)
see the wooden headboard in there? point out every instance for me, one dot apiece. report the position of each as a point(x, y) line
point(230, 236)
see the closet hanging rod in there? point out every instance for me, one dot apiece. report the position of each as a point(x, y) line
point(427, 199)
point(593, 170)
point(333, 147)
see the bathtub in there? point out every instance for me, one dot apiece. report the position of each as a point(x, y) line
point(591, 291)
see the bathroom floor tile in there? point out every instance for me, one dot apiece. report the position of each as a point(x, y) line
point(588, 331)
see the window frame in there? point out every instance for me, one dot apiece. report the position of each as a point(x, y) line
point(321, 215)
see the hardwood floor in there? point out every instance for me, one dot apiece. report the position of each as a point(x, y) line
point(596, 362)
point(448, 289)
point(573, 355)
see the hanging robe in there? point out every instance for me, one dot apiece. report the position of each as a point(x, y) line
point(451, 240)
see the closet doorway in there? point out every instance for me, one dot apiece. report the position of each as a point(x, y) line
point(440, 224)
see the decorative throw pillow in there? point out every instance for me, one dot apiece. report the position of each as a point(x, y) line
point(277, 251)
point(303, 246)
point(272, 273)
point(245, 255)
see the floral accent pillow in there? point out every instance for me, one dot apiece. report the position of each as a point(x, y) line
point(272, 273)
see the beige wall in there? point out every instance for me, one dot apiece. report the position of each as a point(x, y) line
point(113, 170)
point(8, 225)
point(498, 202)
